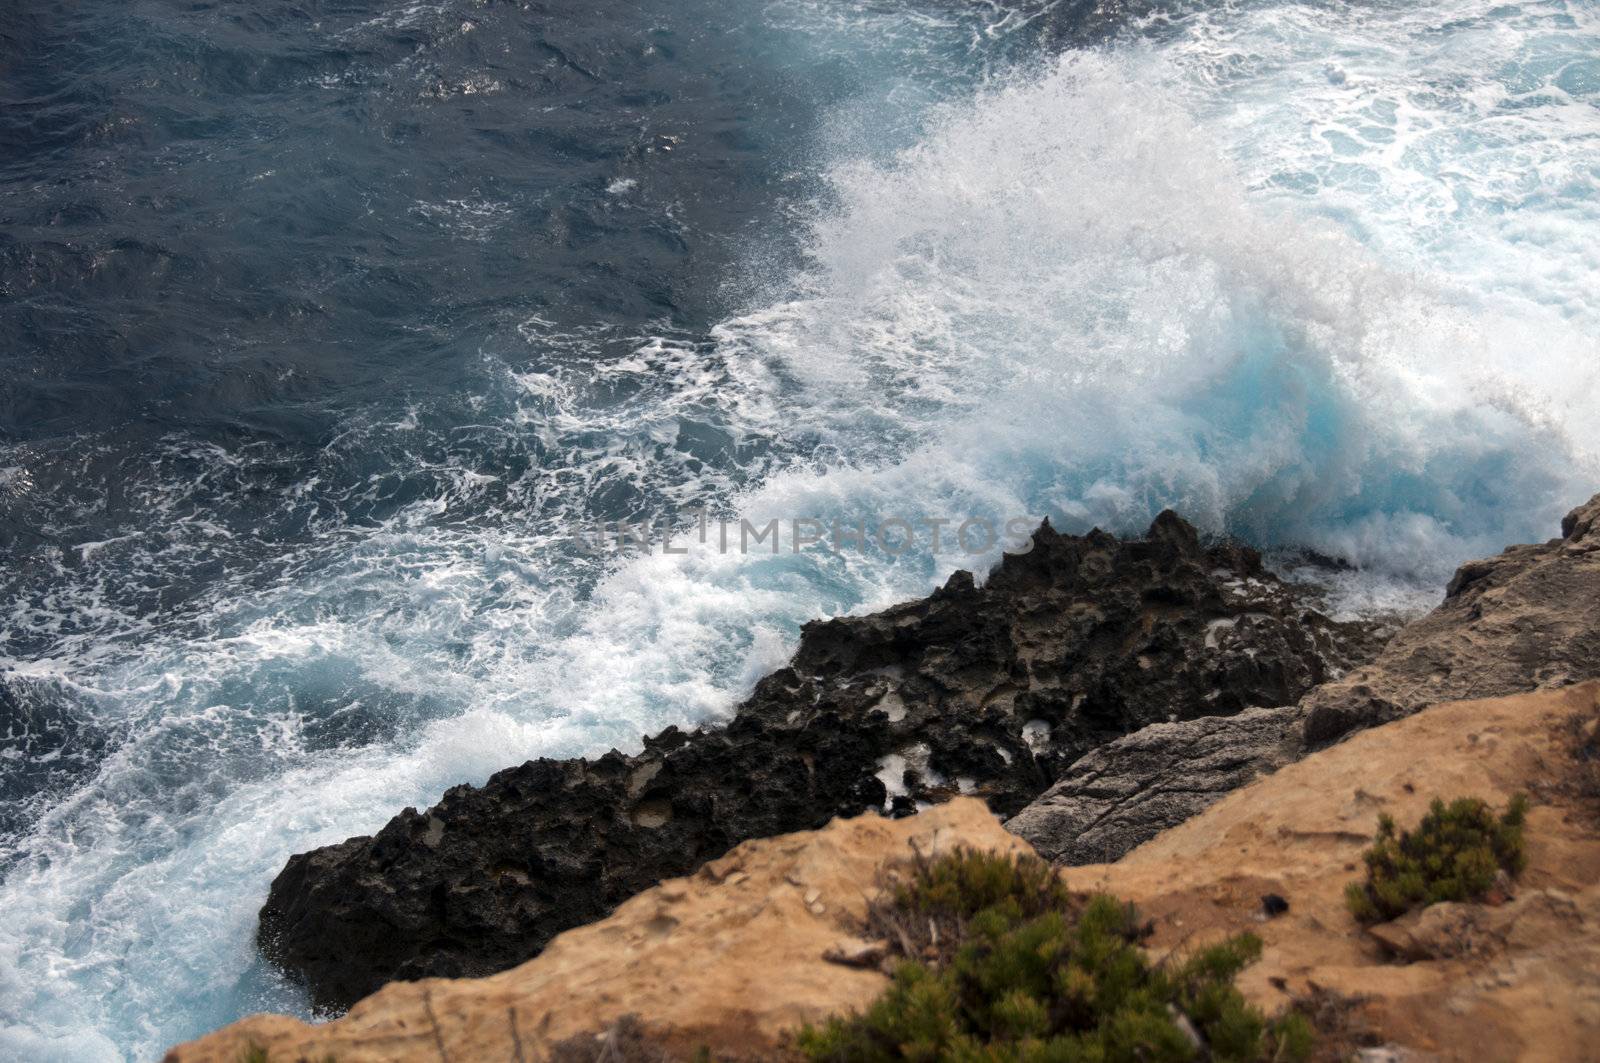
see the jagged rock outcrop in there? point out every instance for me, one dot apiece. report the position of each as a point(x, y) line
point(989, 690)
point(734, 957)
point(731, 956)
point(1128, 791)
point(1529, 618)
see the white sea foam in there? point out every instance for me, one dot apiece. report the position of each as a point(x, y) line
point(1069, 289)
point(1158, 275)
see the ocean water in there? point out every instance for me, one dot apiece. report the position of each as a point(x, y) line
point(323, 325)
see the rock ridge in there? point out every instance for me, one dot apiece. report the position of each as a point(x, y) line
point(1524, 620)
point(991, 690)
point(736, 956)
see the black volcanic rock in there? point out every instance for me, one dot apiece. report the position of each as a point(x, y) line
point(992, 690)
point(1526, 619)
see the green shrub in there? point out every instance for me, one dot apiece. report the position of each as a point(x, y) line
point(926, 914)
point(961, 885)
point(1034, 977)
point(1452, 855)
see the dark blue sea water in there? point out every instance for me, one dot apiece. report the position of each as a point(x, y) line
point(323, 324)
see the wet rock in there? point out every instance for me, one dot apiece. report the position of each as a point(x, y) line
point(991, 690)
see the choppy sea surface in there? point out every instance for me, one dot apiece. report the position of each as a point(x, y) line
point(323, 324)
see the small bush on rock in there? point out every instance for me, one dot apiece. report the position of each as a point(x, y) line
point(1035, 978)
point(1452, 855)
point(925, 914)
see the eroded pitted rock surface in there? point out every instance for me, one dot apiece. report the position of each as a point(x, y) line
point(1527, 619)
point(737, 956)
point(990, 690)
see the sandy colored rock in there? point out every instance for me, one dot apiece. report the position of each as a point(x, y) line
point(733, 955)
point(1526, 988)
point(1438, 932)
point(733, 962)
point(1526, 619)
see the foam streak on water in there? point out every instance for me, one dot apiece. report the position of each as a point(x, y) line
point(1317, 275)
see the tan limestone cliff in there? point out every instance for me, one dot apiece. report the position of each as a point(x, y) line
point(733, 956)
point(1519, 981)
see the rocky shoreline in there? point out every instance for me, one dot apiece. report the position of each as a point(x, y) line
point(727, 963)
point(1526, 619)
point(995, 690)
point(1093, 692)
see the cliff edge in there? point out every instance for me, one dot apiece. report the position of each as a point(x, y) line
point(1524, 620)
point(734, 956)
point(987, 690)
